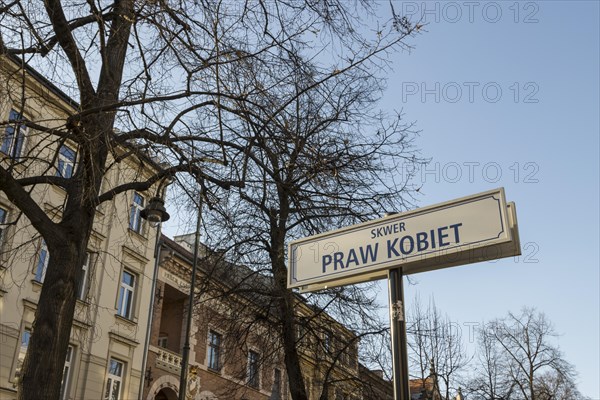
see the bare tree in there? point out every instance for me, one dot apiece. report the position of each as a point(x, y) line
point(518, 359)
point(317, 157)
point(526, 341)
point(437, 349)
point(144, 73)
point(489, 381)
point(553, 385)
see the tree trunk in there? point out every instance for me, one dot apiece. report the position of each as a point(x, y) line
point(67, 243)
point(531, 382)
point(286, 300)
point(45, 358)
point(292, 359)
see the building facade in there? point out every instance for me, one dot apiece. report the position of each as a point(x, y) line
point(233, 354)
point(235, 350)
point(109, 329)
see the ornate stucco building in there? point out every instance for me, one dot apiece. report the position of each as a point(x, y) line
point(235, 348)
point(107, 339)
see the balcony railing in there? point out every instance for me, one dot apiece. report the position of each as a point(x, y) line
point(168, 360)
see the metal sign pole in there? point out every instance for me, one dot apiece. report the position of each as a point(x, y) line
point(398, 333)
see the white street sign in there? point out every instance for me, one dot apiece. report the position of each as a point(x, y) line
point(471, 229)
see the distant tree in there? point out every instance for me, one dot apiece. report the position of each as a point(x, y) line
point(436, 347)
point(529, 354)
point(488, 379)
point(518, 359)
point(553, 385)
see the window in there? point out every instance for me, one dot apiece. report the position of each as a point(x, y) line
point(352, 356)
point(42, 263)
point(163, 340)
point(3, 214)
point(345, 357)
point(83, 277)
point(253, 370)
point(66, 161)
point(345, 352)
point(301, 334)
point(328, 341)
point(64, 385)
point(214, 351)
point(114, 380)
point(22, 350)
point(14, 136)
point(126, 293)
point(135, 219)
point(276, 392)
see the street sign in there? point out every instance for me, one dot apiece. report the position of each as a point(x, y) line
point(471, 229)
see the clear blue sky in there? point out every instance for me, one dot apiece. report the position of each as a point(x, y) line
point(543, 138)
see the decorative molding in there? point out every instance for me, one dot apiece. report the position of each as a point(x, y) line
point(168, 361)
point(9, 330)
point(165, 381)
point(135, 254)
point(81, 324)
point(29, 303)
point(123, 339)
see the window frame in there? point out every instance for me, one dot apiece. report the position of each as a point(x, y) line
point(136, 222)
point(128, 292)
point(64, 162)
point(112, 379)
point(277, 384)
point(82, 287)
point(22, 350)
point(14, 136)
point(302, 335)
point(214, 351)
point(41, 265)
point(253, 376)
point(163, 341)
point(328, 341)
point(67, 372)
point(3, 217)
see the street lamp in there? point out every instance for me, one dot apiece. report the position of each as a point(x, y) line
point(155, 213)
point(188, 326)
